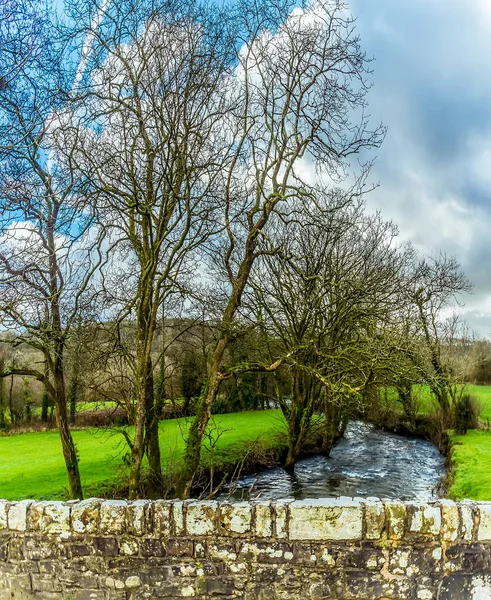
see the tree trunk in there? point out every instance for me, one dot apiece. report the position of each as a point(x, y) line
point(11, 405)
point(152, 433)
point(203, 413)
point(139, 437)
point(300, 416)
point(68, 447)
point(334, 424)
point(146, 421)
point(44, 405)
point(3, 423)
point(210, 389)
point(72, 396)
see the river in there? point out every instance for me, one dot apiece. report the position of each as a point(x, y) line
point(366, 462)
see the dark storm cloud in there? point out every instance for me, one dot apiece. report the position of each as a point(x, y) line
point(432, 88)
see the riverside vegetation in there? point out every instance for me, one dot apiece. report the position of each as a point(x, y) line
point(184, 233)
point(31, 465)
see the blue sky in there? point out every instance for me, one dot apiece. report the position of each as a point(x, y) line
point(432, 89)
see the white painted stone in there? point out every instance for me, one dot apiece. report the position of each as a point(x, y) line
point(113, 516)
point(129, 548)
point(481, 588)
point(178, 514)
point(325, 519)
point(56, 518)
point(17, 515)
point(437, 554)
point(484, 531)
point(238, 568)
point(450, 520)
point(136, 516)
point(188, 571)
point(4, 508)
point(327, 558)
point(162, 518)
point(263, 523)
point(424, 595)
point(467, 521)
point(85, 516)
point(114, 584)
point(281, 516)
point(374, 518)
point(236, 517)
point(201, 518)
point(216, 552)
point(426, 519)
point(188, 592)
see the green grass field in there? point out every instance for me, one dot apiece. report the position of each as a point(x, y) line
point(471, 454)
point(31, 464)
point(471, 460)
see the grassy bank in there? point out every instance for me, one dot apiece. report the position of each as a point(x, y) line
point(471, 466)
point(470, 459)
point(31, 464)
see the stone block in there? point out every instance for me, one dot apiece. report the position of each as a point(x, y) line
point(113, 516)
point(484, 530)
point(85, 516)
point(325, 519)
point(263, 525)
point(236, 517)
point(162, 518)
point(138, 517)
point(178, 518)
point(4, 508)
point(467, 520)
point(49, 517)
point(201, 518)
point(281, 519)
point(450, 520)
point(180, 547)
point(17, 515)
point(396, 518)
point(374, 519)
point(425, 519)
point(133, 582)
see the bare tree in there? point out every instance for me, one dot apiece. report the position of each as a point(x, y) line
point(434, 285)
point(47, 257)
point(300, 83)
point(147, 120)
point(327, 299)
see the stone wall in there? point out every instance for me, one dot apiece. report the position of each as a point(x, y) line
point(340, 549)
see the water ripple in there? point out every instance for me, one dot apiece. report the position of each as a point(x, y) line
point(366, 462)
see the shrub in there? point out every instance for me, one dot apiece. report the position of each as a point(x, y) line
point(466, 413)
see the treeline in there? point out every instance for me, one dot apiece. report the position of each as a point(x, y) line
point(178, 212)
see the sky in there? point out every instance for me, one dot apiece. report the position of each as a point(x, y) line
point(432, 89)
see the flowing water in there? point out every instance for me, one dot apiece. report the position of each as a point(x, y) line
point(366, 462)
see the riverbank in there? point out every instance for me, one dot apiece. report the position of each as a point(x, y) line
point(31, 464)
point(470, 466)
point(468, 456)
